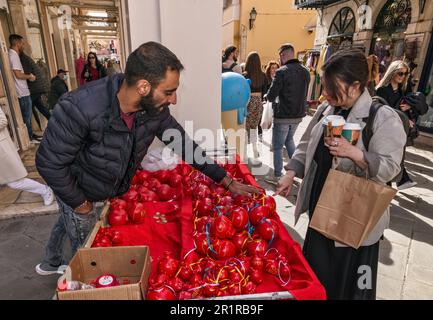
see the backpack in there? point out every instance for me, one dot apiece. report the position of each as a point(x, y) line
point(229, 69)
point(367, 133)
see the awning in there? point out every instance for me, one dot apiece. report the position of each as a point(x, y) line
point(313, 4)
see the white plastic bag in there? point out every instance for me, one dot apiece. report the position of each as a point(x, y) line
point(267, 116)
point(160, 159)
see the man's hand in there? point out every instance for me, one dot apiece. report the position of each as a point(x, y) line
point(239, 188)
point(404, 107)
point(244, 189)
point(32, 77)
point(84, 208)
point(285, 183)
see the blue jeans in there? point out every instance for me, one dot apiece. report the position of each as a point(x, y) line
point(39, 103)
point(26, 111)
point(75, 226)
point(282, 135)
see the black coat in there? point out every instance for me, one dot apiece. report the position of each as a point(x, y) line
point(41, 84)
point(392, 97)
point(88, 153)
point(291, 86)
point(58, 88)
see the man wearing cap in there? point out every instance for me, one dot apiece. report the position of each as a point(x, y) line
point(58, 87)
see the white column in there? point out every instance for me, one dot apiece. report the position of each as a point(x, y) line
point(192, 30)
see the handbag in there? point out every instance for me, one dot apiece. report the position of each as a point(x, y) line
point(349, 207)
point(267, 116)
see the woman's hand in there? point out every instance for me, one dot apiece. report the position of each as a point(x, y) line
point(285, 183)
point(342, 148)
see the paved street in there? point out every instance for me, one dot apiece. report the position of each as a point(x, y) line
point(406, 254)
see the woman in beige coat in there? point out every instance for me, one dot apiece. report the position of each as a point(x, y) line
point(346, 273)
point(12, 171)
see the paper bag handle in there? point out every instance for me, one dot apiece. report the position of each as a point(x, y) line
point(336, 162)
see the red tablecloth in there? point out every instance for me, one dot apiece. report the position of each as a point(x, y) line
point(176, 236)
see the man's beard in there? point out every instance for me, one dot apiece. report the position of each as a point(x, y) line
point(147, 104)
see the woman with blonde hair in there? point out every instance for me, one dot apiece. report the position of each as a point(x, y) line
point(393, 85)
point(393, 88)
point(253, 71)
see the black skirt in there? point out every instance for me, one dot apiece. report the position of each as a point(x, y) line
point(346, 273)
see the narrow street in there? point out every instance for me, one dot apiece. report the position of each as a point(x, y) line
point(405, 268)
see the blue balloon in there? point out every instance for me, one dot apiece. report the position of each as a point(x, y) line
point(235, 94)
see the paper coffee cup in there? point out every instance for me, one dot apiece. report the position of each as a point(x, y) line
point(351, 132)
point(337, 122)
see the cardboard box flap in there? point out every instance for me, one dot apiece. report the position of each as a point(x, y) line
point(120, 261)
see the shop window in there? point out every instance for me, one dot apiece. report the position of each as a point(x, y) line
point(342, 28)
point(388, 42)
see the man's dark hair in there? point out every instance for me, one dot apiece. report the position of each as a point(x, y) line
point(150, 61)
point(227, 52)
point(348, 66)
point(286, 47)
point(14, 39)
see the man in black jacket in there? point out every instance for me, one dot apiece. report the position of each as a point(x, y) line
point(58, 87)
point(38, 88)
point(288, 92)
point(99, 134)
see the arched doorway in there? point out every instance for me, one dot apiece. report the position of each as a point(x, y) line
point(341, 30)
point(389, 32)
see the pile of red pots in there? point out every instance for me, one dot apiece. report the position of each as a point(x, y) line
point(233, 236)
point(146, 186)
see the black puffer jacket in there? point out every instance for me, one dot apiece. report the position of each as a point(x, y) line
point(41, 84)
point(88, 153)
point(291, 86)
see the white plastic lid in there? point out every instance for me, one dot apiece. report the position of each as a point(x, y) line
point(352, 126)
point(335, 120)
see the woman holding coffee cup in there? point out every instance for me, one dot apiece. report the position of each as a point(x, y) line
point(345, 76)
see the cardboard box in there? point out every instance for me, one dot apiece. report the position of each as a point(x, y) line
point(102, 223)
point(92, 235)
point(132, 263)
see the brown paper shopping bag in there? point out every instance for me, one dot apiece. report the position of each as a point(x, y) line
point(349, 207)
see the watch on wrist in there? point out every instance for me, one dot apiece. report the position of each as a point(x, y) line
point(228, 184)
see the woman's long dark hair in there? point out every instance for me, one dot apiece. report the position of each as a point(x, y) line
point(347, 66)
point(253, 70)
point(98, 63)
